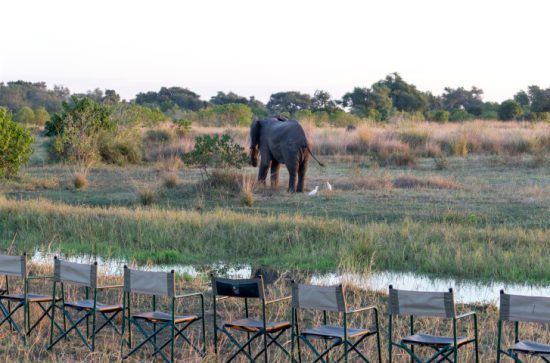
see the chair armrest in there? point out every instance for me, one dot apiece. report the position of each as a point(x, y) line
point(200, 294)
point(466, 315)
point(40, 277)
point(222, 298)
point(278, 300)
point(366, 308)
point(110, 287)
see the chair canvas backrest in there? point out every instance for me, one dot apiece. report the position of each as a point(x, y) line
point(75, 273)
point(13, 265)
point(243, 288)
point(422, 303)
point(524, 308)
point(329, 298)
point(149, 282)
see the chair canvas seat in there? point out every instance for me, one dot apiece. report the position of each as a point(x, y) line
point(89, 305)
point(252, 325)
point(432, 340)
point(334, 332)
point(529, 347)
point(160, 316)
point(30, 297)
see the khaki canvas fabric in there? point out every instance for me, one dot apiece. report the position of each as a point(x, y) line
point(76, 273)
point(330, 298)
point(421, 303)
point(13, 265)
point(525, 308)
point(149, 282)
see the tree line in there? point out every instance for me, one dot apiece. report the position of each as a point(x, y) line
point(34, 103)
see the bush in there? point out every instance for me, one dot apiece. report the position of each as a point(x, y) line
point(460, 115)
point(76, 130)
point(15, 145)
point(25, 115)
point(121, 148)
point(229, 114)
point(441, 115)
point(159, 136)
point(80, 180)
point(216, 151)
point(41, 116)
point(509, 110)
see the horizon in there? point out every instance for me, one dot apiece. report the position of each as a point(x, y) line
point(132, 47)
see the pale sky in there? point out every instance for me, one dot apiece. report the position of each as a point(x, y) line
point(259, 47)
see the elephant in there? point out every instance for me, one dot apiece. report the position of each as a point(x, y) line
point(277, 141)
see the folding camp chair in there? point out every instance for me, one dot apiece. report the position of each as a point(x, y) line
point(17, 266)
point(158, 284)
point(516, 308)
point(331, 299)
point(247, 289)
point(429, 304)
point(82, 275)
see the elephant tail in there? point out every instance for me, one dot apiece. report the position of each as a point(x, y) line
point(313, 156)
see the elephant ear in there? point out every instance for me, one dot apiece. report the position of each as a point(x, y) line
point(255, 134)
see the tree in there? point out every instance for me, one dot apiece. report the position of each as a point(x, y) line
point(221, 98)
point(168, 98)
point(509, 110)
point(76, 130)
point(456, 98)
point(111, 97)
point(373, 103)
point(258, 108)
point(15, 145)
point(405, 96)
point(322, 101)
point(130, 114)
point(25, 115)
point(522, 98)
point(539, 98)
point(41, 116)
point(288, 102)
point(18, 94)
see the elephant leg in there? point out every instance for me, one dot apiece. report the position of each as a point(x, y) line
point(301, 176)
point(275, 166)
point(262, 174)
point(292, 171)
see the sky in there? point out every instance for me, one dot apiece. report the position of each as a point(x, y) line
point(259, 47)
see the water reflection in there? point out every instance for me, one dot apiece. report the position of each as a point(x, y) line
point(466, 291)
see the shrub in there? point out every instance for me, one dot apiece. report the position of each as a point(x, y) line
point(509, 110)
point(41, 116)
point(170, 179)
point(147, 195)
point(25, 115)
point(121, 148)
point(216, 151)
point(80, 180)
point(232, 114)
point(159, 136)
point(76, 130)
point(441, 115)
point(460, 115)
point(15, 145)
point(415, 138)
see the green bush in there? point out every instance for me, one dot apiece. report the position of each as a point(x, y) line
point(121, 148)
point(216, 151)
point(460, 115)
point(229, 114)
point(76, 130)
point(15, 145)
point(509, 110)
point(25, 115)
point(440, 115)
